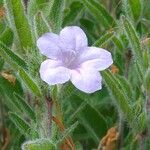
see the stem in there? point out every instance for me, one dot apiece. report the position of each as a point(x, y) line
point(57, 111)
point(49, 112)
point(121, 132)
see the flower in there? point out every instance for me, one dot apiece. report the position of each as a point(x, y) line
point(70, 58)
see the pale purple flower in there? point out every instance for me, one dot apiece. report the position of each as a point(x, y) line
point(70, 58)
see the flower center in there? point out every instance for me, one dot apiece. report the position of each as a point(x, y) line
point(69, 59)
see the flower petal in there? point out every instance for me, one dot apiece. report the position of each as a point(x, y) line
point(48, 45)
point(86, 80)
point(73, 37)
point(96, 58)
point(52, 72)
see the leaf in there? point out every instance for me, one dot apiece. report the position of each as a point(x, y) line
point(135, 46)
point(125, 86)
point(133, 39)
point(126, 8)
point(41, 25)
point(104, 39)
point(117, 91)
point(35, 6)
point(68, 142)
point(7, 90)
point(25, 107)
point(7, 36)
point(147, 80)
point(87, 115)
point(1, 3)
point(11, 57)
point(9, 87)
point(100, 13)
point(18, 22)
point(56, 15)
point(90, 118)
point(117, 42)
point(29, 82)
point(1, 63)
point(40, 144)
point(136, 8)
point(75, 9)
point(20, 124)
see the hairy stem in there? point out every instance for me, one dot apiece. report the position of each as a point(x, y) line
point(49, 113)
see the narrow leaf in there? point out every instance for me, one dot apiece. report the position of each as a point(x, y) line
point(56, 15)
point(25, 107)
point(8, 89)
point(100, 13)
point(41, 25)
point(85, 117)
point(136, 8)
point(120, 97)
point(7, 36)
point(117, 43)
point(75, 10)
point(11, 57)
point(104, 39)
point(35, 6)
point(135, 46)
point(133, 39)
point(20, 26)
point(29, 82)
point(20, 124)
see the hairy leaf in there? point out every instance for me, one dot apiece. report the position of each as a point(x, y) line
point(29, 82)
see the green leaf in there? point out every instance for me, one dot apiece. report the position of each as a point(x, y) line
point(20, 124)
point(147, 80)
point(8, 90)
point(11, 57)
point(126, 8)
point(56, 15)
point(104, 39)
point(25, 107)
point(121, 99)
point(100, 13)
point(135, 45)
point(41, 25)
point(133, 39)
point(1, 63)
point(89, 117)
point(18, 22)
point(35, 6)
point(40, 144)
point(7, 36)
point(125, 86)
point(29, 82)
point(117, 43)
point(67, 132)
point(75, 10)
point(1, 3)
point(37, 11)
point(136, 8)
